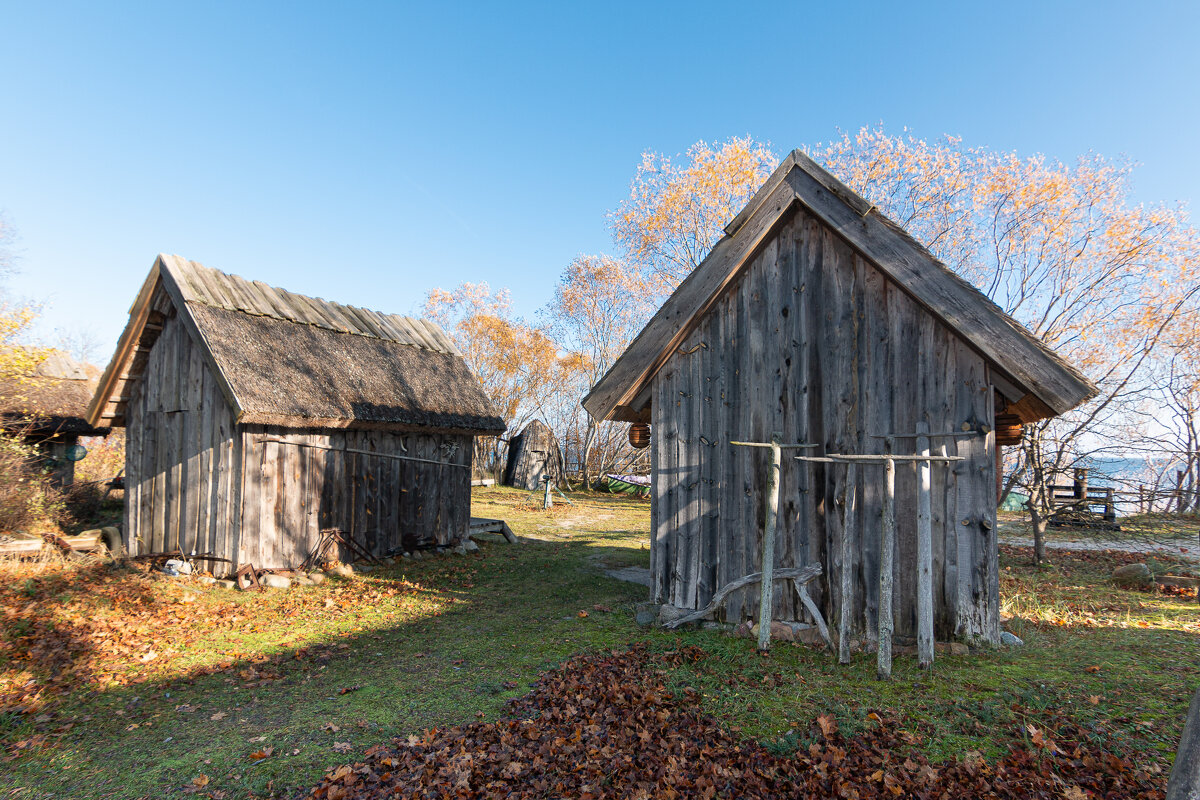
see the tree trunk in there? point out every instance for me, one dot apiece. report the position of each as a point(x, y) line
point(588, 440)
point(1184, 783)
point(1038, 522)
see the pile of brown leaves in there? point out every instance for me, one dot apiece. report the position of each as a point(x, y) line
point(605, 726)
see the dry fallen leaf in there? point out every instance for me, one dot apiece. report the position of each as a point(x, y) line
point(342, 747)
point(200, 781)
point(259, 755)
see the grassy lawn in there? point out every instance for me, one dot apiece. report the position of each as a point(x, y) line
point(163, 687)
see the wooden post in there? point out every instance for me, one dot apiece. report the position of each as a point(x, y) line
point(924, 552)
point(547, 499)
point(765, 609)
point(1184, 783)
point(846, 601)
point(887, 546)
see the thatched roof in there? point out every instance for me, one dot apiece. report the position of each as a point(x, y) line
point(1037, 380)
point(301, 362)
point(53, 399)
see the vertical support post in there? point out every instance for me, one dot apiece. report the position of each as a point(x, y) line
point(887, 545)
point(924, 553)
point(765, 611)
point(547, 498)
point(846, 601)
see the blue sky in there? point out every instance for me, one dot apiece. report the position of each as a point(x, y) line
point(366, 152)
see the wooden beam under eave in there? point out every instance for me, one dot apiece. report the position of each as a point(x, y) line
point(139, 314)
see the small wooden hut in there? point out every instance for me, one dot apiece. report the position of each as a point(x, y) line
point(256, 417)
point(48, 409)
point(817, 317)
point(532, 453)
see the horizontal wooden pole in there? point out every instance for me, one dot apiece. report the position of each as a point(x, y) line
point(950, 434)
point(883, 459)
point(768, 444)
point(365, 453)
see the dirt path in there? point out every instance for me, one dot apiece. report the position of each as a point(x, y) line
point(1015, 535)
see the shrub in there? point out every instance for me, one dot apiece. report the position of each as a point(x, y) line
point(26, 496)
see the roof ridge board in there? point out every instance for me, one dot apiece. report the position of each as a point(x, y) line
point(333, 312)
point(216, 290)
point(440, 336)
point(276, 306)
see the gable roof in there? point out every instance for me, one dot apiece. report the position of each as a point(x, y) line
point(1033, 377)
point(282, 358)
point(52, 399)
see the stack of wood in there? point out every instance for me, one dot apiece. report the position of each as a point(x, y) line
point(29, 545)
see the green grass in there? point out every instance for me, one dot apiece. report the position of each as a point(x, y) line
point(477, 629)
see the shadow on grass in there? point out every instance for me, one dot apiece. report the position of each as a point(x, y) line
point(317, 704)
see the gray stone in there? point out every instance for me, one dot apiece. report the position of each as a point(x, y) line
point(671, 613)
point(743, 631)
point(273, 581)
point(646, 614)
point(316, 578)
point(1010, 640)
point(226, 584)
point(341, 571)
point(1132, 575)
point(206, 580)
point(780, 631)
point(471, 546)
point(460, 550)
point(302, 580)
point(365, 568)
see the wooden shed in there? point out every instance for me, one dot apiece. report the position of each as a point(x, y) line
point(532, 454)
point(256, 417)
point(817, 317)
point(48, 408)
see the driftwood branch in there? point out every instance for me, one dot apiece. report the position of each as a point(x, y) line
point(799, 575)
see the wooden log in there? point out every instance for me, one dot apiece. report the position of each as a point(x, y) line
point(766, 593)
point(924, 553)
point(887, 545)
point(845, 600)
point(798, 575)
point(1184, 783)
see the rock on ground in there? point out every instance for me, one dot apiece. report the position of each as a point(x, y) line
point(273, 581)
point(1132, 575)
point(1011, 640)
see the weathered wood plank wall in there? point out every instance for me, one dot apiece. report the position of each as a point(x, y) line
point(181, 454)
point(815, 342)
point(301, 481)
